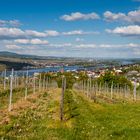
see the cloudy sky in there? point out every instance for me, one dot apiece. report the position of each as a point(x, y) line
point(73, 28)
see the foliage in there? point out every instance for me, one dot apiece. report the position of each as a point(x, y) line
point(109, 78)
point(82, 76)
point(87, 120)
point(70, 106)
point(70, 79)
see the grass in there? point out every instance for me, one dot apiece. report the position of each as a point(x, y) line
point(83, 119)
point(18, 93)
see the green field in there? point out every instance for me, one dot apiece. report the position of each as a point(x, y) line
point(38, 118)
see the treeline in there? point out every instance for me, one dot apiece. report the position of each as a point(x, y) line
point(72, 78)
point(116, 80)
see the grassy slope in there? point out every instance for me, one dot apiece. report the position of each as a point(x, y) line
point(84, 120)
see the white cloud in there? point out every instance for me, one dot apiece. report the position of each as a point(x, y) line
point(130, 45)
point(39, 42)
point(80, 16)
point(133, 45)
point(52, 33)
point(22, 41)
point(92, 45)
point(2, 22)
point(133, 30)
point(79, 39)
point(13, 23)
point(9, 33)
point(86, 46)
point(81, 49)
point(13, 47)
point(131, 17)
point(36, 43)
point(16, 33)
point(33, 33)
point(32, 41)
point(42, 34)
point(78, 32)
point(60, 45)
point(109, 16)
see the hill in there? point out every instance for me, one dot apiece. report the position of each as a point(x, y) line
point(15, 55)
point(9, 60)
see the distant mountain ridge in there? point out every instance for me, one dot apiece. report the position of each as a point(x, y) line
point(16, 55)
point(26, 56)
point(6, 53)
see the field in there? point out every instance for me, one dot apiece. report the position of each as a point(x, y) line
point(38, 118)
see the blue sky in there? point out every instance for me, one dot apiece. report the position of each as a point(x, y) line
point(74, 28)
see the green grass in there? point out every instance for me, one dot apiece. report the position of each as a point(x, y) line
point(83, 120)
point(18, 93)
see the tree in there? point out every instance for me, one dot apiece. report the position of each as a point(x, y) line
point(69, 78)
point(109, 78)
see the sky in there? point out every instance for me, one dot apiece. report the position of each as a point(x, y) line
point(71, 28)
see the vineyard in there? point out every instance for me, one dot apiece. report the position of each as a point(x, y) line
point(112, 93)
point(40, 106)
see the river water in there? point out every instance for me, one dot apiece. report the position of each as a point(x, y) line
point(59, 68)
point(47, 69)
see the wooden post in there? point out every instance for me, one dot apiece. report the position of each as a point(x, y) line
point(8, 82)
point(100, 88)
point(90, 87)
point(125, 91)
point(84, 87)
point(95, 91)
point(4, 79)
point(34, 84)
point(47, 83)
point(44, 83)
point(105, 88)
point(134, 91)
point(11, 90)
point(17, 81)
point(39, 82)
point(62, 98)
point(26, 85)
point(118, 90)
point(15, 77)
point(87, 87)
point(112, 90)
